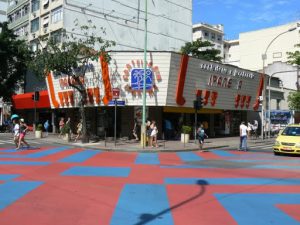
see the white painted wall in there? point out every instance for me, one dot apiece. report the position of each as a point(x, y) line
point(169, 22)
point(232, 52)
point(253, 44)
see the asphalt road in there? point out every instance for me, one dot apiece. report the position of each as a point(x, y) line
point(65, 185)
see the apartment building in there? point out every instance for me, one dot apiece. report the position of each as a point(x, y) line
point(211, 33)
point(122, 21)
point(3, 7)
point(247, 51)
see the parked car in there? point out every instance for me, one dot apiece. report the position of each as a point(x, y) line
point(288, 140)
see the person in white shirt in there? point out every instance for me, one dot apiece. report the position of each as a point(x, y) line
point(16, 130)
point(243, 137)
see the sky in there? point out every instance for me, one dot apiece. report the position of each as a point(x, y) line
point(239, 16)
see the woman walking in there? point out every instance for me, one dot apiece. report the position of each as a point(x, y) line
point(22, 131)
point(61, 125)
point(79, 130)
point(153, 135)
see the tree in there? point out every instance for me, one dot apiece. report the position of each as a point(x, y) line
point(70, 58)
point(294, 97)
point(294, 100)
point(294, 57)
point(201, 50)
point(13, 56)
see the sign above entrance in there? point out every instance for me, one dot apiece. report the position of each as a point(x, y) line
point(134, 77)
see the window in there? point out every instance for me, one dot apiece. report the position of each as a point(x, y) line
point(277, 54)
point(56, 36)
point(56, 15)
point(205, 34)
point(35, 5)
point(12, 3)
point(25, 10)
point(213, 36)
point(17, 14)
point(35, 24)
point(219, 38)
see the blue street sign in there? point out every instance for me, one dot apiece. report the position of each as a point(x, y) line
point(119, 103)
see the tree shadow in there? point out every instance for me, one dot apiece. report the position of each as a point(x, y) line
point(146, 217)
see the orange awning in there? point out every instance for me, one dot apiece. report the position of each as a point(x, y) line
point(24, 101)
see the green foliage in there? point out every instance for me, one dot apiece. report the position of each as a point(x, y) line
point(39, 127)
point(294, 100)
point(70, 57)
point(186, 129)
point(13, 56)
point(294, 57)
point(201, 50)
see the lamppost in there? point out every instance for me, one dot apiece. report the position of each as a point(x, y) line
point(269, 100)
point(264, 57)
point(143, 130)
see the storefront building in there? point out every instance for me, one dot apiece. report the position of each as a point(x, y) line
point(172, 83)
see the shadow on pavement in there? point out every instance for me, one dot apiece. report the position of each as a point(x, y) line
point(146, 218)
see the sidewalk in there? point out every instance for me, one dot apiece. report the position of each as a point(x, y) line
point(132, 145)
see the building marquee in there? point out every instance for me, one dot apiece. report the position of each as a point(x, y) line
point(171, 80)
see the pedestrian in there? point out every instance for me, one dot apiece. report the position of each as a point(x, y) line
point(16, 131)
point(22, 132)
point(255, 127)
point(249, 129)
point(153, 135)
point(79, 130)
point(148, 132)
point(46, 126)
point(243, 137)
point(168, 129)
point(61, 125)
point(135, 129)
point(201, 136)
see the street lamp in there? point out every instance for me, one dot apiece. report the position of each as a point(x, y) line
point(269, 100)
point(143, 130)
point(264, 57)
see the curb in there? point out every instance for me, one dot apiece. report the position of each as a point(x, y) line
point(130, 149)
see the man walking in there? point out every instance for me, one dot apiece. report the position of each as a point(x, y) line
point(243, 137)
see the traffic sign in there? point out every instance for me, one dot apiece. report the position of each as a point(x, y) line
point(115, 93)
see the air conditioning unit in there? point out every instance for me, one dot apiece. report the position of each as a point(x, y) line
point(34, 15)
point(33, 35)
point(45, 29)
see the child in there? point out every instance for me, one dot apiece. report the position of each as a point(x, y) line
point(201, 136)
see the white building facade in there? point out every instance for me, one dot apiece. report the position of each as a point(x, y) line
point(169, 22)
point(274, 42)
point(3, 7)
point(247, 51)
point(211, 33)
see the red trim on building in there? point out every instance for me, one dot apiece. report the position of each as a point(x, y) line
point(24, 101)
point(180, 100)
point(259, 92)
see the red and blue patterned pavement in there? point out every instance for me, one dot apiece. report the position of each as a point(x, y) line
point(73, 186)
